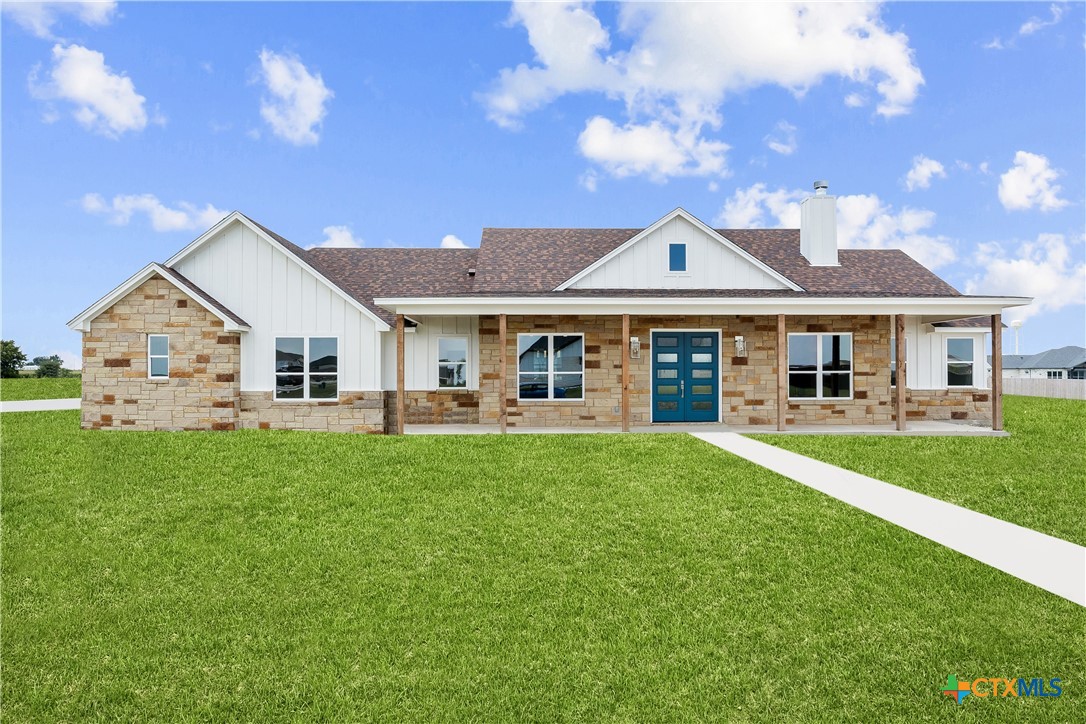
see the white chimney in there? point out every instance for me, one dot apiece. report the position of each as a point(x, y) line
point(818, 227)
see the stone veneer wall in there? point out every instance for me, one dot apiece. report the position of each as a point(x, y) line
point(441, 407)
point(748, 384)
point(352, 412)
point(202, 391)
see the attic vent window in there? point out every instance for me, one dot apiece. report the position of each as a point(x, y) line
point(471, 272)
point(676, 258)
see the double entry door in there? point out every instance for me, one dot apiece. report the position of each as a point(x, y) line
point(685, 376)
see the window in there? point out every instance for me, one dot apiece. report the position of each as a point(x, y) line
point(893, 359)
point(550, 366)
point(676, 258)
point(158, 356)
point(306, 368)
point(452, 362)
point(820, 366)
point(959, 362)
point(1055, 374)
point(1079, 373)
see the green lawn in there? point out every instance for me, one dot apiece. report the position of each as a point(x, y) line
point(39, 388)
point(300, 576)
point(1035, 478)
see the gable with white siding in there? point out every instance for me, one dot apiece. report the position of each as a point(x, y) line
point(710, 263)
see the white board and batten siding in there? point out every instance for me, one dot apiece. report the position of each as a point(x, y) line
point(709, 263)
point(421, 348)
point(277, 296)
point(926, 354)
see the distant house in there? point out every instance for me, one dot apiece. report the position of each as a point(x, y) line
point(571, 327)
point(1064, 363)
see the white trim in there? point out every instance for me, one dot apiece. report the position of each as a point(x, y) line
point(467, 361)
point(470, 306)
point(550, 373)
point(382, 325)
point(305, 373)
point(972, 363)
point(719, 370)
point(685, 271)
point(151, 357)
point(686, 215)
point(81, 322)
point(818, 371)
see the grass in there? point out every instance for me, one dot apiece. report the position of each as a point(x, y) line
point(1035, 478)
point(298, 576)
point(39, 388)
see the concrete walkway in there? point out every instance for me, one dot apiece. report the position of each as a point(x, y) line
point(39, 405)
point(1055, 565)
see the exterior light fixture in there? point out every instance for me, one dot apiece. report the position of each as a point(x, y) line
point(740, 346)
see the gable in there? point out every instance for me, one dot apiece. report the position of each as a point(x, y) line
point(711, 262)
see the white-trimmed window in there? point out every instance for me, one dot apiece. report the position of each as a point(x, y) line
point(676, 258)
point(306, 368)
point(1055, 374)
point(452, 362)
point(820, 366)
point(959, 362)
point(893, 358)
point(550, 366)
point(158, 356)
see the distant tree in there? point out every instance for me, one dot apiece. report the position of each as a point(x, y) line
point(49, 366)
point(12, 358)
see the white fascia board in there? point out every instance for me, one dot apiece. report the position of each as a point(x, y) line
point(382, 325)
point(472, 306)
point(680, 211)
point(81, 322)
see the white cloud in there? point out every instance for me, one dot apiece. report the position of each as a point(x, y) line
point(1030, 183)
point(589, 180)
point(449, 241)
point(684, 60)
point(863, 222)
point(994, 44)
point(783, 139)
point(40, 17)
point(653, 150)
point(1035, 23)
point(1042, 269)
point(855, 100)
point(983, 167)
point(923, 171)
point(105, 102)
point(296, 100)
point(338, 237)
point(163, 218)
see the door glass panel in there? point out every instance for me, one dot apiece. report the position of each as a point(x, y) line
point(701, 341)
point(701, 358)
point(667, 357)
point(667, 405)
point(667, 389)
point(701, 405)
point(667, 374)
point(667, 341)
point(701, 374)
point(701, 389)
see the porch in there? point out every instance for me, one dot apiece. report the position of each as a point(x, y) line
point(931, 428)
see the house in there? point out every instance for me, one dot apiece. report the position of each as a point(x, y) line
point(1064, 363)
point(674, 322)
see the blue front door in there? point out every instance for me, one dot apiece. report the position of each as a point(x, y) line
point(685, 377)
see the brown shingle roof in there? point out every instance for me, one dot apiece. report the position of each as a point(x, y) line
point(967, 323)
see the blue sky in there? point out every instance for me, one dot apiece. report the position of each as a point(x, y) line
point(953, 130)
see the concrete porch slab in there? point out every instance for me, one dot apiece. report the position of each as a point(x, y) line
point(920, 428)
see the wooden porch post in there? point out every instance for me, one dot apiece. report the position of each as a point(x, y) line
point(399, 374)
point(902, 374)
point(625, 373)
point(997, 371)
point(503, 364)
point(782, 373)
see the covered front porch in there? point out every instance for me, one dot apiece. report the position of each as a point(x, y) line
point(919, 428)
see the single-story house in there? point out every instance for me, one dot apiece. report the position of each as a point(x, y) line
point(674, 322)
point(1063, 363)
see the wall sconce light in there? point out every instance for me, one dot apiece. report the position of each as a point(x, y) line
point(635, 348)
point(740, 346)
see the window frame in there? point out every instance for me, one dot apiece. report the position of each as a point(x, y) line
point(685, 271)
point(972, 363)
point(818, 372)
point(150, 357)
point(467, 360)
point(305, 368)
point(550, 373)
point(1055, 374)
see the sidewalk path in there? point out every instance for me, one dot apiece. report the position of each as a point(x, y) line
point(1050, 563)
point(39, 405)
